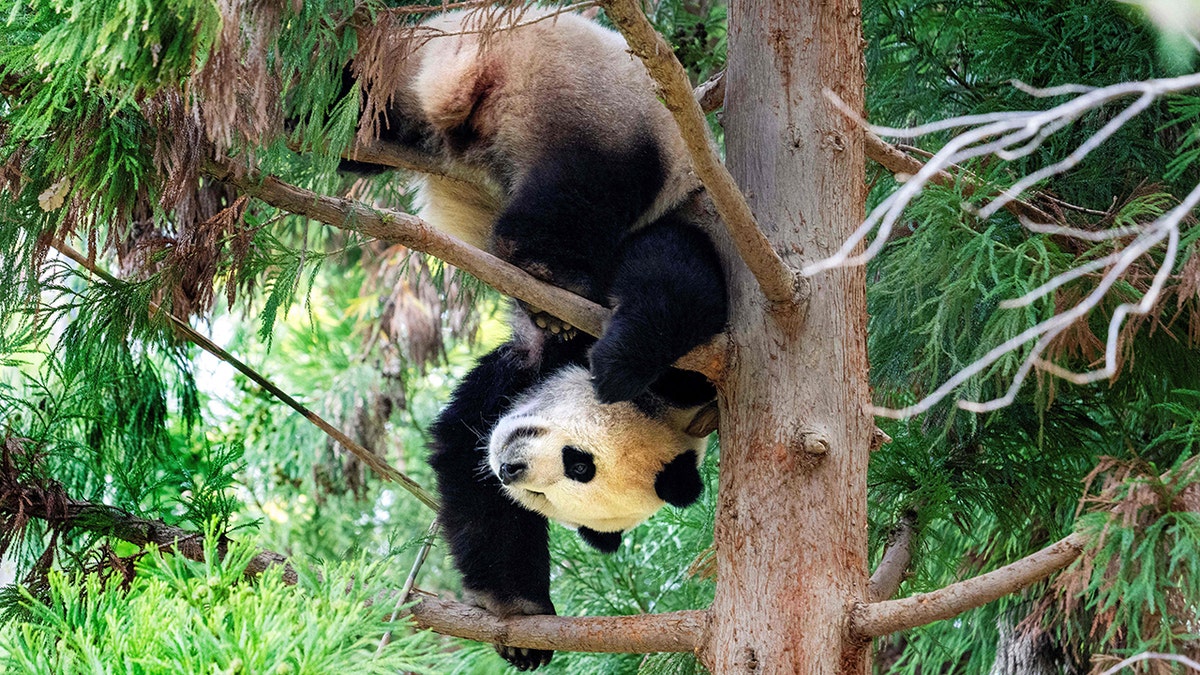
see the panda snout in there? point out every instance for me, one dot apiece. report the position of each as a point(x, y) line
point(511, 472)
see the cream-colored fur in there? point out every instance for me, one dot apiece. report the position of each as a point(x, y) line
point(628, 448)
point(557, 75)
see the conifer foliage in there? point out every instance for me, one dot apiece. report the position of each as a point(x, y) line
point(121, 433)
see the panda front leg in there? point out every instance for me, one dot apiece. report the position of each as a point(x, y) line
point(569, 212)
point(670, 297)
point(500, 548)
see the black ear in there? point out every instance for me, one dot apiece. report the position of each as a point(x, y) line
point(605, 542)
point(679, 484)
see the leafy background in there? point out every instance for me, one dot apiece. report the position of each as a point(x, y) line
point(109, 110)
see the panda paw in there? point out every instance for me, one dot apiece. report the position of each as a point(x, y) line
point(549, 323)
point(618, 374)
point(524, 659)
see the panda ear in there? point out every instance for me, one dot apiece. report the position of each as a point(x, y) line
point(704, 422)
point(605, 542)
point(678, 483)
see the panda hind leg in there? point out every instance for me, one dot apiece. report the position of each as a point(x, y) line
point(670, 297)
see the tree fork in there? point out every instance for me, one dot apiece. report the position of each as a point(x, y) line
point(791, 522)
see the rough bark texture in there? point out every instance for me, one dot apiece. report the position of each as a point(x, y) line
point(791, 526)
point(638, 633)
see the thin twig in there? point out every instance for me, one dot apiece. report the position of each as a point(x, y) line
point(1152, 656)
point(882, 618)
point(777, 280)
point(406, 590)
point(375, 462)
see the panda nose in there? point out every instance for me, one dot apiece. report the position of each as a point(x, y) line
point(510, 472)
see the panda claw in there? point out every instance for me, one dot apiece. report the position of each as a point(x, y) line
point(541, 321)
point(524, 659)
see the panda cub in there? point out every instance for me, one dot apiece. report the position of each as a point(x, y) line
point(524, 440)
point(549, 148)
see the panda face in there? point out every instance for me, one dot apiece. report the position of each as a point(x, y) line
point(564, 455)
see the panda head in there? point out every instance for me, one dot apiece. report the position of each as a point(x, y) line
point(601, 468)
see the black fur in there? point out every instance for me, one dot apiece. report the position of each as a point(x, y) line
point(499, 547)
point(679, 483)
point(605, 542)
point(567, 217)
point(669, 294)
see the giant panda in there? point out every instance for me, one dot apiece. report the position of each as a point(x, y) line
point(552, 151)
point(523, 440)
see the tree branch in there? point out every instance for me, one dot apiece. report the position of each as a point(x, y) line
point(896, 558)
point(682, 631)
point(881, 618)
point(779, 282)
point(414, 233)
point(375, 462)
point(899, 162)
point(51, 505)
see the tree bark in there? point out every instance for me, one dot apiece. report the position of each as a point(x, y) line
point(792, 517)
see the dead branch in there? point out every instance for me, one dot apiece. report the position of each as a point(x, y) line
point(682, 631)
point(903, 164)
point(64, 512)
point(1152, 656)
point(375, 462)
point(414, 233)
point(885, 581)
point(778, 281)
point(881, 618)
point(1013, 135)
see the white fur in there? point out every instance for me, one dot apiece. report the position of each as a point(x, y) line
point(628, 448)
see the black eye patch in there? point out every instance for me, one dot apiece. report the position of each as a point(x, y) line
point(577, 464)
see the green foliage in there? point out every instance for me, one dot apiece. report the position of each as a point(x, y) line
point(179, 616)
point(108, 108)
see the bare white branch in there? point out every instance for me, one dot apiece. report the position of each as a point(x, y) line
point(1012, 135)
point(1047, 92)
point(1077, 233)
point(1166, 227)
point(1152, 656)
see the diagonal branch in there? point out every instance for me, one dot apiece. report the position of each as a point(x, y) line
point(414, 233)
point(881, 618)
point(780, 284)
point(378, 464)
point(899, 162)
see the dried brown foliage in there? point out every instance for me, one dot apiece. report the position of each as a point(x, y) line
point(1135, 497)
point(237, 89)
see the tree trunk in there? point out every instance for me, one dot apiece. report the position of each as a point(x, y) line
point(795, 432)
